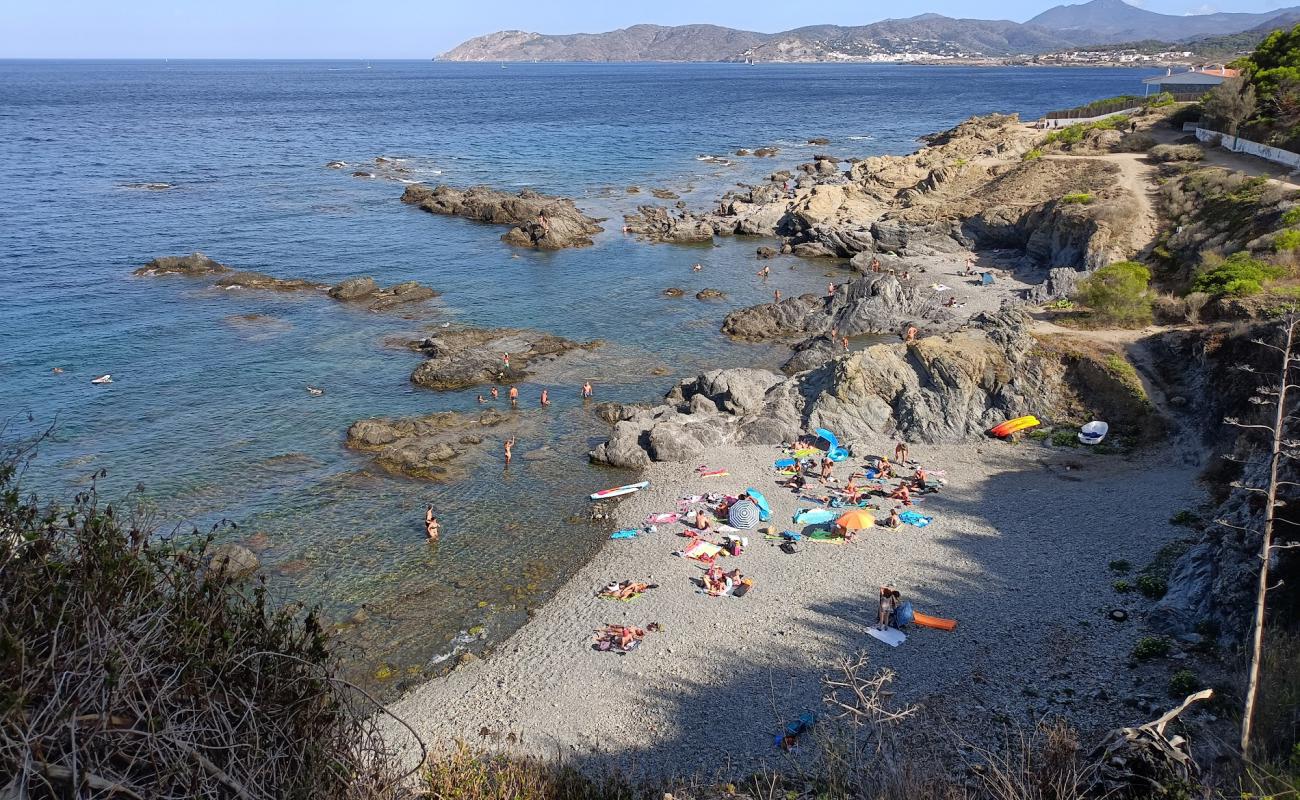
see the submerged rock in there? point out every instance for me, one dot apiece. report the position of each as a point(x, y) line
point(260, 280)
point(710, 294)
point(539, 221)
point(193, 264)
point(233, 561)
point(461, 358)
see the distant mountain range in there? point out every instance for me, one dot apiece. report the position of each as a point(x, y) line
point(1097, 22)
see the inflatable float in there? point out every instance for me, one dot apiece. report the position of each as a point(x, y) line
point(619, 491)
point(927, 621)
point(1014, 426)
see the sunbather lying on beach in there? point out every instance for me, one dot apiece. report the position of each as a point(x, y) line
point(627, 590)
point(717, 582)
point(623, 638)
point(796, 482)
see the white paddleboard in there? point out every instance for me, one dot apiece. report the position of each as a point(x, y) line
point(619, 491)
point(890, 636)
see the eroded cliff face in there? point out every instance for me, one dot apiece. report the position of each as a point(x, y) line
point(970, 186)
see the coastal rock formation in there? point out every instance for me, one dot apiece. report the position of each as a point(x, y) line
point(939, 388)
point(364, 289)
point(539, 221)
point(421, 446)
point(710, 294)
point(461, 358)
point(658, 224)
point(193, 264)
point(968, 187)
point(260, 280)
point(874, 303)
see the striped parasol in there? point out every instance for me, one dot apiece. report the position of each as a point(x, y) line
point(743, 515)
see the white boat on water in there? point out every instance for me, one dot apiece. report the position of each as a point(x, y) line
point(102, 379)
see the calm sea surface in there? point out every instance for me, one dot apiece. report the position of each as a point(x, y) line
point(208, 409)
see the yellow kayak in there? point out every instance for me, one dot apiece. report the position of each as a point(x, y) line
point(1014, 426)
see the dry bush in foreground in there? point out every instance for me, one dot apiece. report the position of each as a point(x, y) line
point(130, 669)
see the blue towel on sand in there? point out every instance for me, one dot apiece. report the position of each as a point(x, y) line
point(627, 534)
point(913, 518)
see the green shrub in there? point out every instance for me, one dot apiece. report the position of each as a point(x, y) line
point(1077, 198)
point(1183, 682)
point(1072, 134)
point(1149, 647)
point(1177, 152)
point(1292, 216)
point(1119, 293)
point(1062, 304)
point(1286, 240)
point(1032, 155)
point(1065, 439)
point(1122, 586)
point(1185, 518)
point(1239, 275)
point(1039, 435)
point(1120, 566)
point(1152, 586)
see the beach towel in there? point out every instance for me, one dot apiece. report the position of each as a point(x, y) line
point(701, 550)
point(913, 518)
point(662, 519)
point(890, 636)
point(630, 533)
point(939, 287)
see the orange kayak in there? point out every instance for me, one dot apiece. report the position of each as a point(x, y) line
point(1014, 426)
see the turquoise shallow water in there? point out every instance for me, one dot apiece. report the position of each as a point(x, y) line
point(208, 409)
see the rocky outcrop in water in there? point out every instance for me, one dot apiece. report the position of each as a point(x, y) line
point(260, 280)
point(875, 303)
point(421, 446)
point(538, 221)
point(659, 224)
point(366, 290)
point(461, 358)
point(193, 264)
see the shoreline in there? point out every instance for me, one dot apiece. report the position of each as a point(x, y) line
point(726, 673)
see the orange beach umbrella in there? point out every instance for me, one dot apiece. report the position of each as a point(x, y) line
point(855, 520)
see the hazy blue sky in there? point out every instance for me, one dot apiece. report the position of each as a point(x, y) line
point(423, 28)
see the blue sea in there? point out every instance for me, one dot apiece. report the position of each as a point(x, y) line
point(208, 409)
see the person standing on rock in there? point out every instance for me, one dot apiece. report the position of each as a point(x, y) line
point(875, 264)
point(844, 342)
point(543, 223)
point(546, 401)
point(909, 335)
point(514, 397)
point(586, 390)
point(505, 359)
point(510, 443)
point(830, 290)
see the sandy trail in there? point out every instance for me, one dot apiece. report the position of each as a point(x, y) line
point(1017, 553)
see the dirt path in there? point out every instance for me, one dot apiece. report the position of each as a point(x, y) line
point(1238, 162)
point(1137, 175)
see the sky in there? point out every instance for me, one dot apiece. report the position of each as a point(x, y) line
point(379, 29)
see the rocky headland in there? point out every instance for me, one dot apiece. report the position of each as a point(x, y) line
point(464, 357)
point(539, 221)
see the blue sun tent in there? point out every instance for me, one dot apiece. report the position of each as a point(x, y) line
point(833, 450)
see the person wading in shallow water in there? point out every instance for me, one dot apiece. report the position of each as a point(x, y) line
point(495, 393)
point(514, 396)
point(586, 390)
point(431, 527)
point(546, 400)
point(776, 296)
